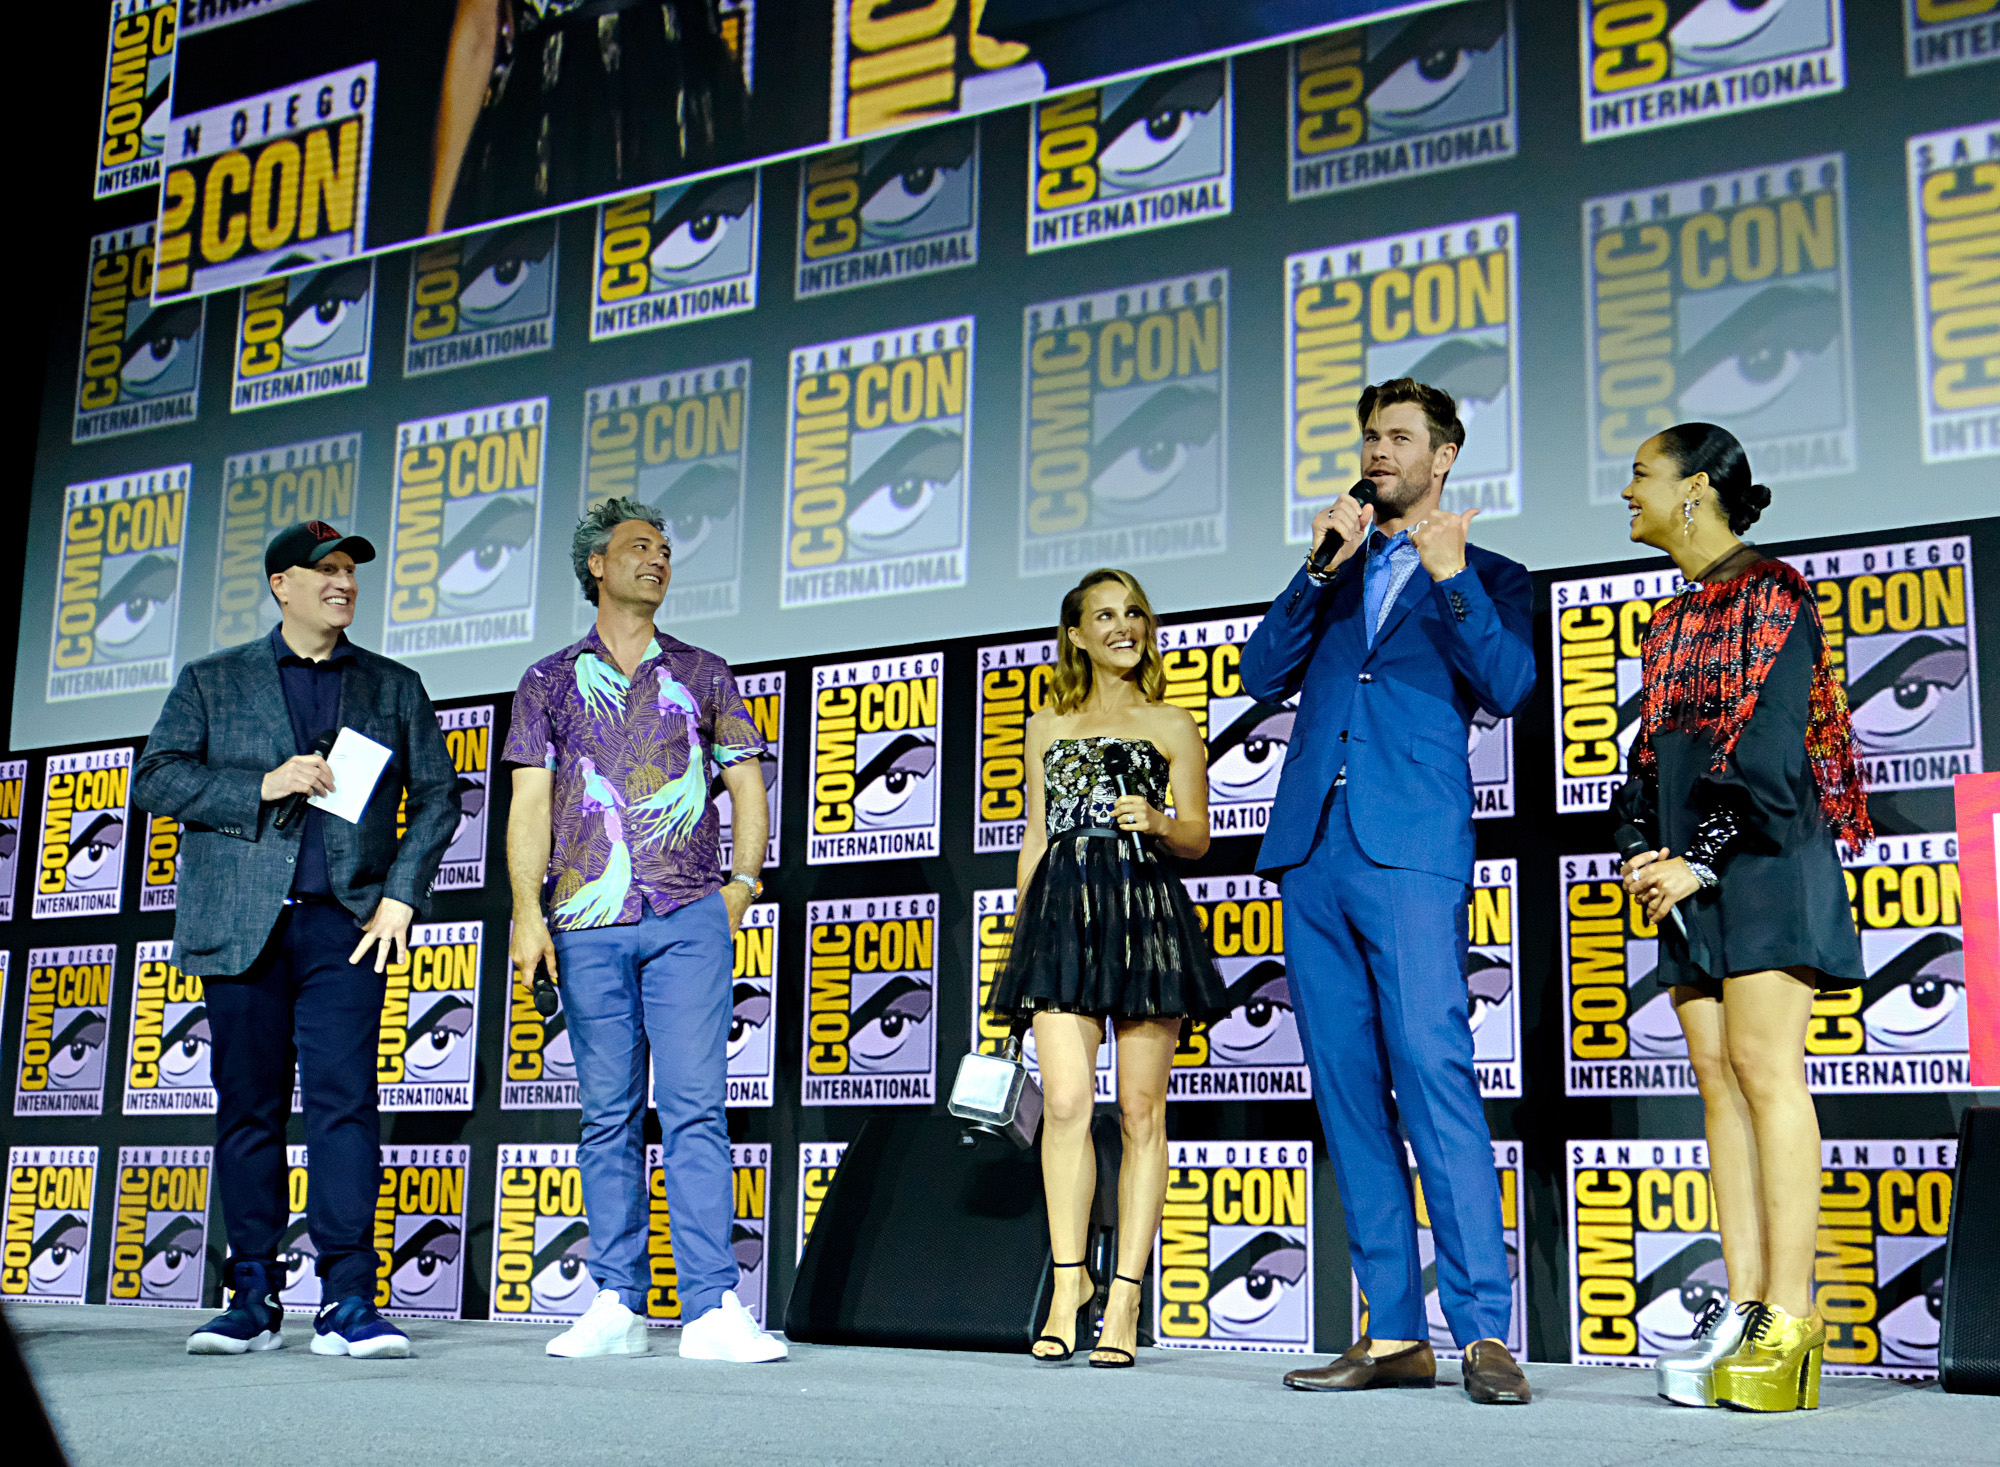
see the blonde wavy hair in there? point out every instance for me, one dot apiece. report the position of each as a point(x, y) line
point(1071, 683)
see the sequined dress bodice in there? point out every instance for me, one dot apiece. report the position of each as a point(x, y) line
point(1079, 791)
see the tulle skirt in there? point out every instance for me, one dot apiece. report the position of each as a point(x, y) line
point(1099, 933)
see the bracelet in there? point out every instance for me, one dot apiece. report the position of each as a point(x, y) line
point(1320, 578)
point(1702, 873)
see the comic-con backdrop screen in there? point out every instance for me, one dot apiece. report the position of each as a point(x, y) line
point(903, 314)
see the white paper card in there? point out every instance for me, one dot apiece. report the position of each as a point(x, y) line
point(357, 762)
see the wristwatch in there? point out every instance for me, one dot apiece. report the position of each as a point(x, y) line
point(755, 884)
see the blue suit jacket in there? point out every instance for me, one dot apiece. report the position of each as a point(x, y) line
point(1398, 715)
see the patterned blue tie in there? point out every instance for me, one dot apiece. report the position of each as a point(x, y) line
point(1375, 582)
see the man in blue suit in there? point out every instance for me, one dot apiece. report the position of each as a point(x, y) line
point(1390, 649)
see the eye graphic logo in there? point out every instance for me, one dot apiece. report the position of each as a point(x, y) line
point(303, 336)
point(141, 362)
point(1954, 214)
point(1247, 739)
point(118, 592)
point(1124, 414)
point(45, 1235)
point(1233, 1267)
point(749, 1234)
point(1492, 961)
point(1660, 65)
point(540, 1070)
point(468, 499)
point(160, 875)
point(818, 1161)
point(1598, 631)
point(1725, 300)
point(419, 1231)
point(992, 940)
point(482, 298)
point(85, 806)
point(763, 695)
point(871, 991)
point(13, 785)
point(1624, 1037)
point(1254, 1050)
point(877, 456)
point(1435, 304)
point(138, 94)
point(1014, 681)
point(1130, 157)
point(1900, 632)
point(753, 1045)
point(298, 1255)
point(1507, 1163)
point(264, 492)
point(159, 1238)
point(170, 1050)
point(541, 1242)
point(876, 750)
point(468, 736)
point(1941, 34)
point(890, 210)
point(1403, 98)
point(430, 1020)
point(682, 253)
point(676, 443)
point(267, 185)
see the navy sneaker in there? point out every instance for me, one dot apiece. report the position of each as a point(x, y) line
point(352, 1327)
point(253, 1318)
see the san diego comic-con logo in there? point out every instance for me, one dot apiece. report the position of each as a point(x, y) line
point(749, 1234)
point(920, 63)
point(1507, 1166)
point(877, 746)
point(878, 444)
point(1492, 977)
point(1124, 425)
point(138, 94)
point(992, 941)
point(159, 1227)
point(303, 336)
point(1661, 63)
point(417, 1232)
point(1725, 300)
point(685, 252)
point(141, 360)
point(468, 738)
point(13, 786)
point(468, 501)
point(818, 1161)
point(1117, 160)
point(1598, 629)
point(541, 1241)
point(1403, 98)
point(1904, 1029)
point(888, 210)
point(263, 492)
point(1254, 1051)
point(753, 1034)
point(86, 802)
point(1623, 1035)
point(269, 184)
point(539, 1069)
point(1247, 739)
point(870, 1001)
point(763, 695)
point(482, 298)
point(430, 1020)
point(1645, 1255)
point(1954, 236)
point(171, 1049)
point(1435, 304)
point(1014, 681)
point(1233, 1268)
point(1941, 34)
point(675, 442)
point(45, 1235)
point(160, 866)
point(118, 594)
point(65, 1021)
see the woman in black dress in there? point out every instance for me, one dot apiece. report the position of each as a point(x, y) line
point(1104, 933)
point(1744, 778)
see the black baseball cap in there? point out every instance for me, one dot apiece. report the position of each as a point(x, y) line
point(310, 543)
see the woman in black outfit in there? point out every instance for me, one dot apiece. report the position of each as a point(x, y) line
point(1744, 778)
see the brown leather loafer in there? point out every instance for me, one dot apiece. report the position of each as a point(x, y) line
point(1492, 1378)
point(1358, 1370)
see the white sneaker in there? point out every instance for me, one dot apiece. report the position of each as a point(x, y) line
point(607, 1327)
point(727, 1332)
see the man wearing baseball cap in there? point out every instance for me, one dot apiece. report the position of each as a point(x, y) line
point(281, 906)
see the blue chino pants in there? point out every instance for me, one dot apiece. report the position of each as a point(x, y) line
point(1377, 973)
point(663, 982)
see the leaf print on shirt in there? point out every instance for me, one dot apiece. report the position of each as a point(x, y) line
point(602, 688)
point(672, 811)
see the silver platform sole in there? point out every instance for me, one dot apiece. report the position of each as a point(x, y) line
point(1687, 1377)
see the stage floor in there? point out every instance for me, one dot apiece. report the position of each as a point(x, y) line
point(123, 1394)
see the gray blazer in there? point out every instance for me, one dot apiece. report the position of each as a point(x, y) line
point(223, 728)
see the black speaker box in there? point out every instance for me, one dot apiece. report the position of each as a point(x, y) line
point(1969, 1334)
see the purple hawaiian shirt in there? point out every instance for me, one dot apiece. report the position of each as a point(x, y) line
point(630, 813)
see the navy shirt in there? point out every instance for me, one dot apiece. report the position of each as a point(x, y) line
point(312, 698)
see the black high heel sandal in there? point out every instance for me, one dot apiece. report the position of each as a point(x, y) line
point(1130, 1359)
point(1082, 1325)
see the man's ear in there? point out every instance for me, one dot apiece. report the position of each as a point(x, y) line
point(1443, 457)
point(276, 580)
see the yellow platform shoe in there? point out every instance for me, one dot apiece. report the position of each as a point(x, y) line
point(1776, 1368)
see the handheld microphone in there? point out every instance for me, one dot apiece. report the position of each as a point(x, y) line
point(547, 1001)
point(1631, 841)
point(1363, 492)
point(1118, 764)
point(293, 805)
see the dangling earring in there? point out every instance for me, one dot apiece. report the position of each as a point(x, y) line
point(1687, 518)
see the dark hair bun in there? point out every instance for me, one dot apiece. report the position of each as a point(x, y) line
point(1745, 506)
point(1703, 448)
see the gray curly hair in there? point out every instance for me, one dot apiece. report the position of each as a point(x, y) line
point(593, 536)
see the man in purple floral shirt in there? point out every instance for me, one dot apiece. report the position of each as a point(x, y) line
point(613, 854)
